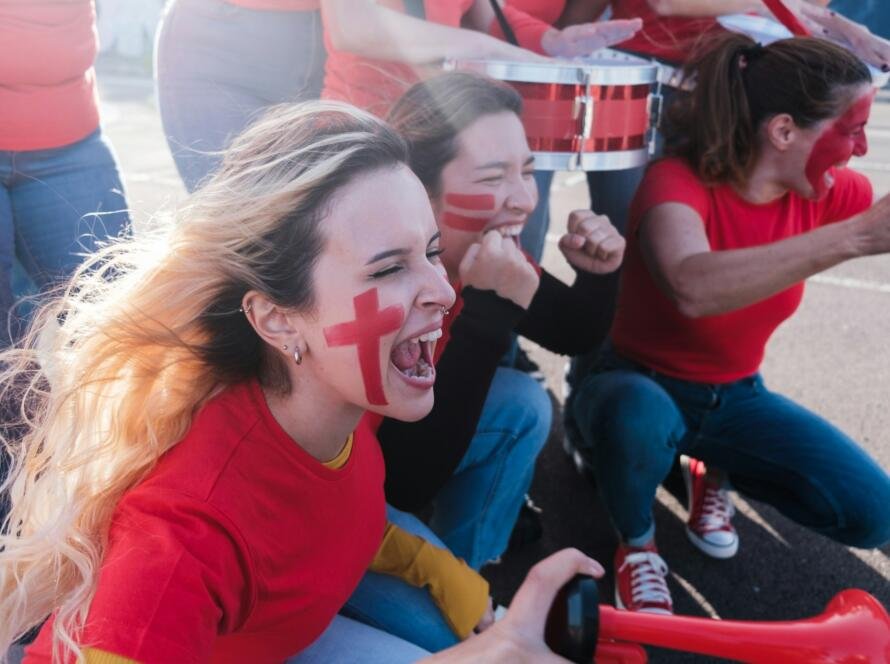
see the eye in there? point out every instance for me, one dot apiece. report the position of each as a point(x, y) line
point(385, 272)
point(530, 173)
point(434, 255)
point(494, 179)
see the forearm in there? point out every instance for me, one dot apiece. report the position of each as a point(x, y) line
point(368, 30)
point(717, 282)
point(571, 320)
point(705, 7)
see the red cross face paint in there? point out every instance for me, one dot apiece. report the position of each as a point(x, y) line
point(841, 140)
point(370, 325)
point(468, 212)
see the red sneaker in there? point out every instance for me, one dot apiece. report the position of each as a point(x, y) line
point(640, 583)
point(709, 527)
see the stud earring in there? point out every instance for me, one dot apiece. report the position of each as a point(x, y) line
point(298, 356)
point(284, 347)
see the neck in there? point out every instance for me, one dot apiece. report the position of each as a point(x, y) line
point(763, 185)
point(318, 422)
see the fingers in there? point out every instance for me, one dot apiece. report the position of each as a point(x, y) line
point(532, 601)
point(469, 258)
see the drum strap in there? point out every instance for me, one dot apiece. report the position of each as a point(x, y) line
point(504, 23)
point(415, 8)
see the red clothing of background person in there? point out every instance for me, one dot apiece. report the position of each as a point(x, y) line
point(240, 546)
point(670, 38)
point(649, 328)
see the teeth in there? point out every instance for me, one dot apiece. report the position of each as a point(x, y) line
point(430, 336)
point(510, 231)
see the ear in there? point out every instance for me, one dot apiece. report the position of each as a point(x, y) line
point(274, 324)
point(782, 131)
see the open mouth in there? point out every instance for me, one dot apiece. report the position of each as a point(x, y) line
point(413, 358)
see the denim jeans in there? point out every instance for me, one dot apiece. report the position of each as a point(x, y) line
point(347, 641)
point(218, 66)
point(473, 514)
point(872, 13)
point(393, 606)
point(635, 421)
point(55, 206)
point(534, 234)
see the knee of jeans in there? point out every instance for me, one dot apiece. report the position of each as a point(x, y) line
point(868, 527)
point(532, 410)
point(628, 411)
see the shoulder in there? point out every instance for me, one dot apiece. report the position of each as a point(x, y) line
point(671, 180)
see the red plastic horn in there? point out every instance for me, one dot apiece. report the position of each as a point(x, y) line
point(854, 628)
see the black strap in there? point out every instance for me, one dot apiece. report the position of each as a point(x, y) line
point(504, 23)
point(415, 8)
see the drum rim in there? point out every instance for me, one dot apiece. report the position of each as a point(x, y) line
point(565, 73)
point(616, 160)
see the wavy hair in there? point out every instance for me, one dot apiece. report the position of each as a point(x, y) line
point(116, 364)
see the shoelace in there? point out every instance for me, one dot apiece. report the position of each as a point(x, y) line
point(647, 582)
point(716, 508)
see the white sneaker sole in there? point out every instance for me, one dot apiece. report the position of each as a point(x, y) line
point(707, 548)
point(660, 612)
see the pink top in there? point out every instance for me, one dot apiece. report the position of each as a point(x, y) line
point(48, 90)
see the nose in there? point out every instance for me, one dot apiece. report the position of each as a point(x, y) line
point(523, 194)
point(860, 145)
point(436, 292)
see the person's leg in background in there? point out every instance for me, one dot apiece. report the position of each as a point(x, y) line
point(66, 202)
point(871, 13)
point(7, 252)
point(396, 607)
point(218, 66)
point(348, 641)
point(474, 513)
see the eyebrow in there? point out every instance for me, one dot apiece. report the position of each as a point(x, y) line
point(389, 253)
point(503, 165)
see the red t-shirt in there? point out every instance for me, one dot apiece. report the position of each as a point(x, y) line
point(648, 327)
point(670, 38)
point(238, 546)
point(47, 83)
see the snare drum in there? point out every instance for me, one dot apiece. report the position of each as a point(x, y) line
point(591, 114)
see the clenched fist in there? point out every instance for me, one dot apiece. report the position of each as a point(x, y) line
point(592, 243)
point(497, 264)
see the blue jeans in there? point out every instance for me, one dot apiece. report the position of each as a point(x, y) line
point(635, 421)
point(218, 66)
point(474, 513)
point(872, 13)
point(534, 234)
point(346, 641)
point(55, 206)
point(393, 606)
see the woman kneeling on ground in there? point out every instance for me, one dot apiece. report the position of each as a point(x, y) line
point(755, 198)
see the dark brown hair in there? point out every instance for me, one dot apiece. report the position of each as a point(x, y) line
point(431, 114)
point(741, 84)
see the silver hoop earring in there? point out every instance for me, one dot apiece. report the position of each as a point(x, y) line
point(298, 356)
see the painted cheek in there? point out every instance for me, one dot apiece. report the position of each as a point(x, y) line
point(370, 325)
point(458, 205)
point(831, 148)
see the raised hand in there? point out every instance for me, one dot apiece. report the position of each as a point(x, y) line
point(585, 38)
point(497, 264)
point(592, 243)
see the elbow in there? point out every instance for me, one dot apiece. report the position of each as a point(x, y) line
point(689, 300)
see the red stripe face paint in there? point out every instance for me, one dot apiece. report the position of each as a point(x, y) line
point(365, 332)
point(474, 202)
point(460, 203)
point(843, 139)
point(463, 223)
point(786, 17)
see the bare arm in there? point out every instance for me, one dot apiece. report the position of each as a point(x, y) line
point(366, 29)
point(720, 7)
point(702, 282)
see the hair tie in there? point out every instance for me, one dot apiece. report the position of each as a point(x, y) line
point(749, 54)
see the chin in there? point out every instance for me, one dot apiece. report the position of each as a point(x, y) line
point(408, 410)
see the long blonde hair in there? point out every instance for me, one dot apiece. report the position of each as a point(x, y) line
point(116, 365)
